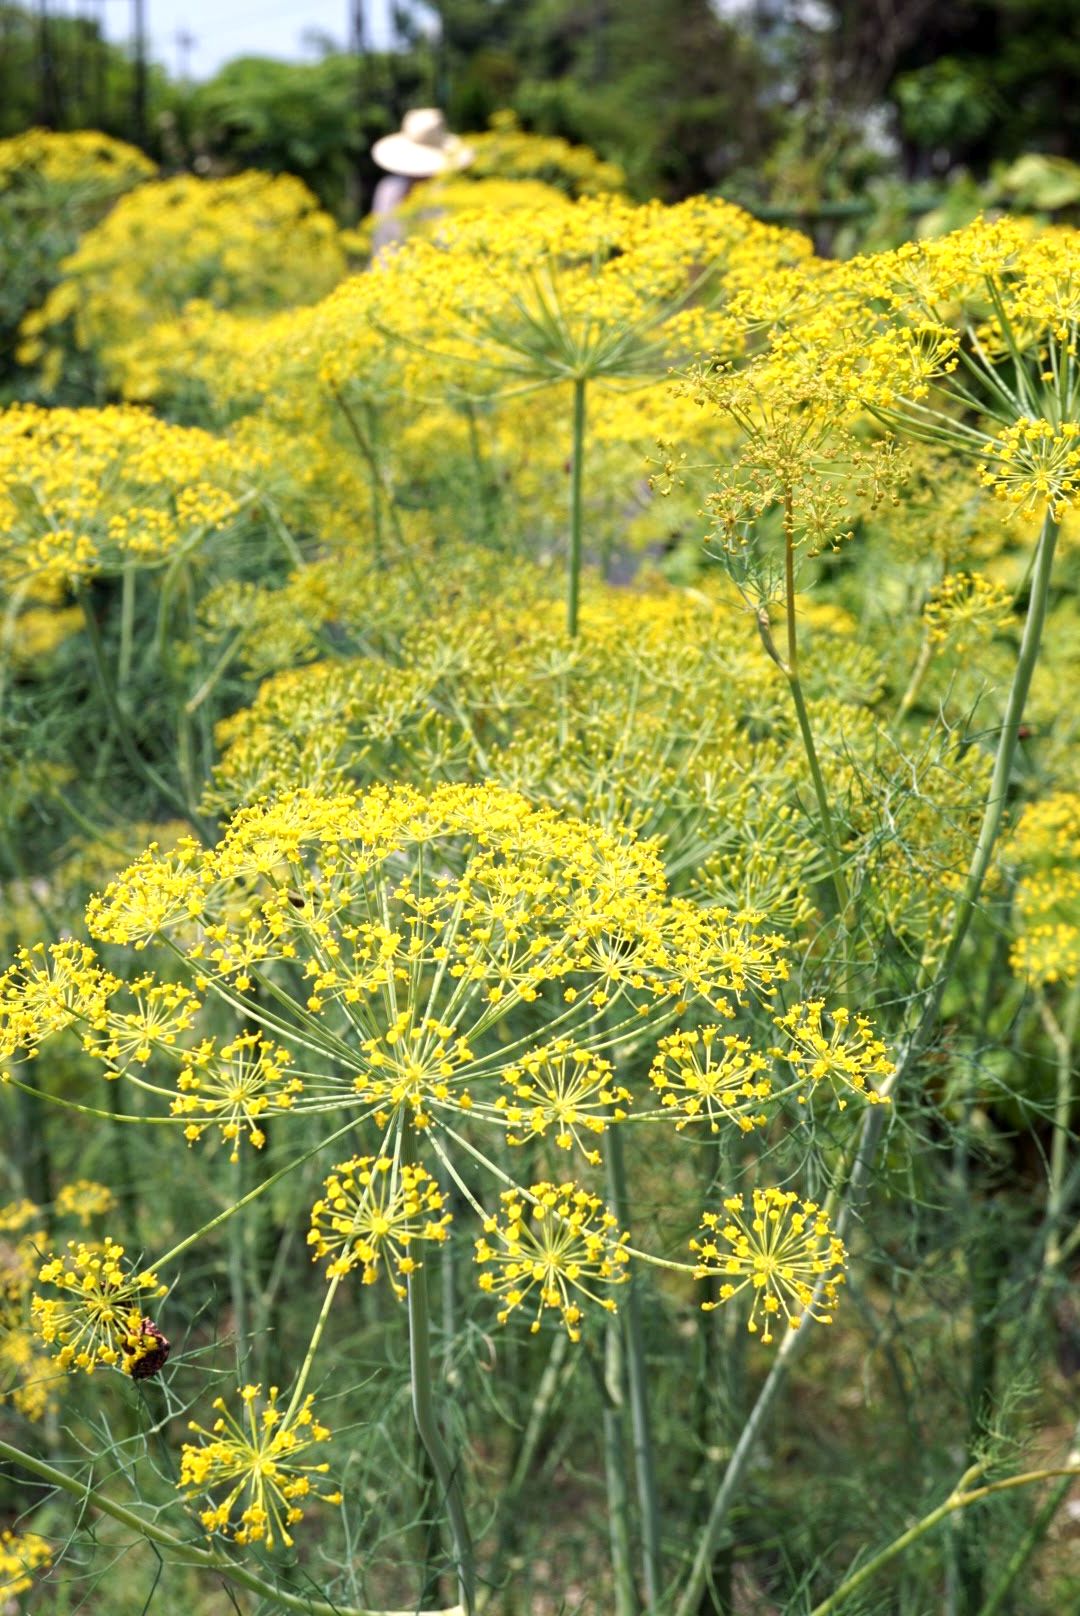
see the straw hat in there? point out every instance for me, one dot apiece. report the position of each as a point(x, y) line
point(423, 146)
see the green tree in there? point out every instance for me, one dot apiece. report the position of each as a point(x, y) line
point(60, 72)
point(672, 91)
point(315, 119)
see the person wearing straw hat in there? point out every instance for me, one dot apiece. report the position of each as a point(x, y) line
point(421, 148)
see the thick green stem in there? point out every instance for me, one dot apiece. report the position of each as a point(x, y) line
point(538, 1413)
point(577, 482)
point(629, 1318)
point(195, 701)
point(189, 1553)
point(125, 1179)
point(1062, 1035)
point(34, 1160)
point(909, 1054)
point(127, 630)
point(447, 1473)
point(374, 481)
point(988, 1258)
point(618, 1500)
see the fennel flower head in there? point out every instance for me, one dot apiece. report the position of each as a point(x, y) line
point(261, 1458)
point(779, 1248)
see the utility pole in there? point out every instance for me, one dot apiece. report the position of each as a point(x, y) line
point(79, 35)
point(48, 99)
point(358, 50)
point(100, 67)
point(185, 44)
point(138, 83)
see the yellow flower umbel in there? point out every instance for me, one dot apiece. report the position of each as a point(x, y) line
point(78, 165)
point(508, 152)
point(1045, 847)
point(245, 1081)
point(91, 491)
point(21, 1554)
point(848, 1057)
point(183, 242)
point(99, 1316)
point(27, 1377)
point(1035, 465)
point(259, 1458)
point(85, 1200)
point(965, 608)
point(163, 1011)
point(47, 990)
point(399, 930)
point(558, 1245)
point(967, 342)
point(784, 1251)
point(711, 1077)
point(566, 1089)
point(372, 1214)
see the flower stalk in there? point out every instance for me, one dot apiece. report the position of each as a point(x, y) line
point(447, 1471)
point(628, 1322)
point(577, 483)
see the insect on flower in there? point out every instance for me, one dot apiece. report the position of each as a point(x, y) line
point(147, 1353)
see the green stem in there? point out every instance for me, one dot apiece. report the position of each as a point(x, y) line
point(238, 1282)
point(629, 1320)
point(447, 1472)
point(909, 1055)
point(791, 672)
point(116, 717)
point(1033, 1536)
point(127, 629)
point(1062, 1035)
point(367, 443)
point(625, 1595)
point(367, 451)
point(918, 674)
point(486, 487)
point(194, 702)
point(260, 1189)
point(189, 1553)
point(125, 1179)
point(7, 634)
point(997, 796)
point(577, 469)
point(957, 1499)
point(313, 1347)
point(288, 543)
point(541, 1407)
point(34, 1164)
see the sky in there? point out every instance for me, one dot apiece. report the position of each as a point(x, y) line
point(225, 28)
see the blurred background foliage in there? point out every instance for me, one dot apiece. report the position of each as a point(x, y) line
point(893, 105)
